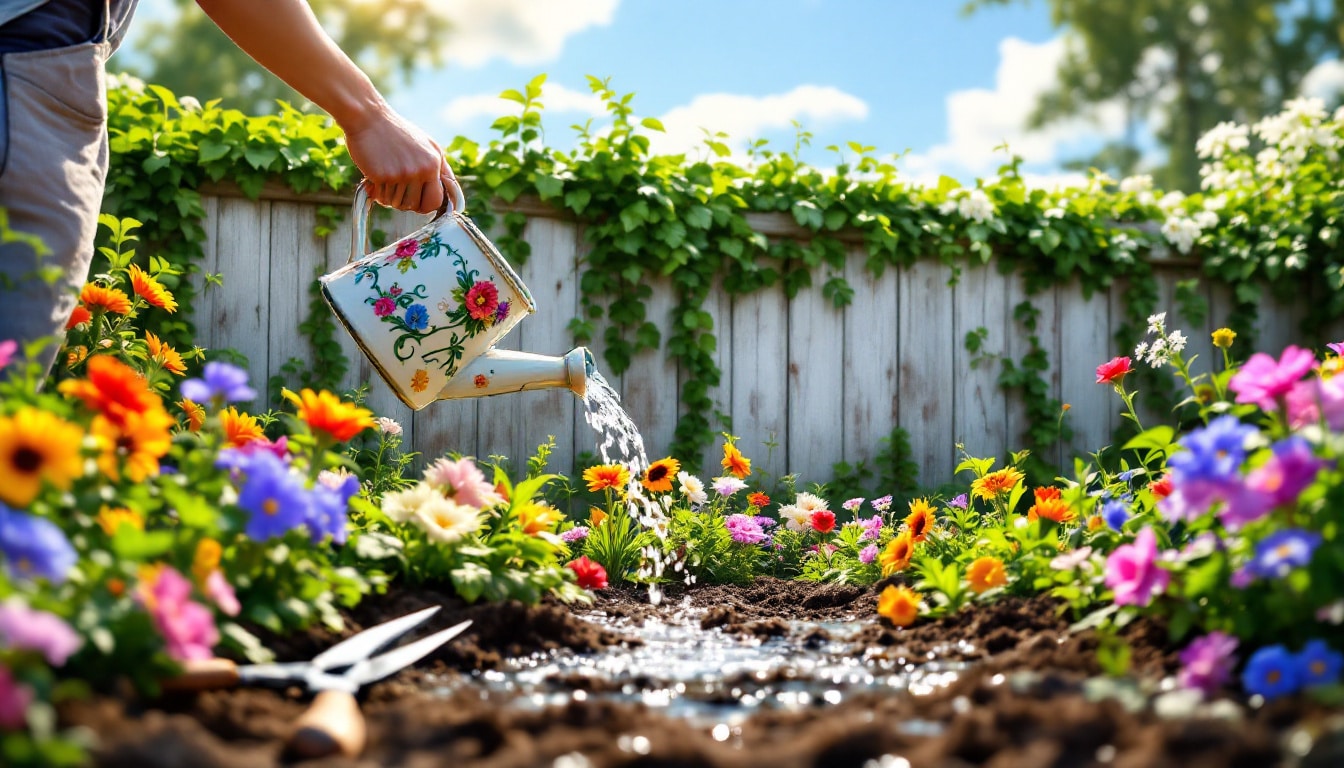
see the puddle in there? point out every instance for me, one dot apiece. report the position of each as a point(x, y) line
point(711, 677)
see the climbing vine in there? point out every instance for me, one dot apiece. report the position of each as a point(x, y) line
point(686, 219)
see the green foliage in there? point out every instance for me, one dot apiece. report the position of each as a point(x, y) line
point(616, 544)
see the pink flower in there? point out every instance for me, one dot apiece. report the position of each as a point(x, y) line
point(1264, 381)
point(188, 628)
point(1113, 371)
point(220, 591)
point(1312, 400)
point(7, 349)
point(1071, 560)
point(482, 300)
point(868, 554)
point(407, 248)
point(394, 291)
point(1132, 571)
point(14, 700)
point(384, 306)
point(463, 482)
point(26, 628)
point(1206, 664)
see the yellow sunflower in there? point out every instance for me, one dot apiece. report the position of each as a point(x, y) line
point(920, 520)
point(897, 554)
point(37, 446)
point(996, 483)
point(135, 445)
point(658, 477)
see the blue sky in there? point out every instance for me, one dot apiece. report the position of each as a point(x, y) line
point(899, 75)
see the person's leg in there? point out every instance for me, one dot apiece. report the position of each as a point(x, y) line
point(51, 184)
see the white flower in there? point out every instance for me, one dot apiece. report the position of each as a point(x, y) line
point(389, 426)
point(189, 104)
point(798, 519)
point(810, 503)
point(1171, 200)
point(1176, 342)
point(445, 520)
point(1157, 354)
point(1141, 183)
point(1181, 232)
point(1206, 219)
point(946, 207)
point(1054, 213)
point(1156, 323)
point(692, 488)
point(1223, 138)
point(728, 485)
point(976, 206)
point(1141, 348)
point(333, 478)
point(128, 81)
point(401, 506)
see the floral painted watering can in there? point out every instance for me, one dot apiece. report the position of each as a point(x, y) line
point(428, 310)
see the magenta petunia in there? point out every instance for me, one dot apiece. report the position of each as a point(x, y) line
point(384, 306)
point(1264, 381)
point(482, 300)
point(188, 628)
point(1132, 571)
point(1206, 664)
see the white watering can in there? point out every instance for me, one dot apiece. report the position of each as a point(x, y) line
point(428, 309)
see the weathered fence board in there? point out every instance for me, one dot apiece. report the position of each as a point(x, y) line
point(820, 383)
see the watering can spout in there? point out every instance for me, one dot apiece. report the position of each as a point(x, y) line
point(500, 371)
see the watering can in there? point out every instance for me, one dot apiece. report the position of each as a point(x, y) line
point(428, 309)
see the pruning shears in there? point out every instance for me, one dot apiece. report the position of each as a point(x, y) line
point(333, 722)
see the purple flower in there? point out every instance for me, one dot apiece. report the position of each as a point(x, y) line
point(872, 528)
point(1207, 470)
point(1132, 571)
point(728, 485)
point(274, 497)
point(33, 630)
point(384, 306)
point(501, 311)
point(34, 547)
point(765, 522)
point(577, 533)
point(744, 529)
point(881, 503)
point(852, 504)
point(417, 317)
point(1264, 380)
point(868, 554)
point(1282, 551)
point(1317, 664)
point(1277, 482)
point(1207, 662)
point(220, 383)
point(1115, 513)
point(1337, 347)
point(326, 513)
point(958, 502)
point(1242, 578)
point(1315, 399)
point(1271, 672)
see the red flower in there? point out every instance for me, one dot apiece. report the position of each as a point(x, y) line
point(407, 248)
point(823, 521)
point(1112, 372)
point(1162, 487)
point(482, 300)
point(481, 381)
point(591, 575)
point(1044, 494)
point(758, 499)
point(79, 316)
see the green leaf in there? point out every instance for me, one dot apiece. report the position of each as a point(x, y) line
point(211, 150)
point(653, 123)
point(131, 543)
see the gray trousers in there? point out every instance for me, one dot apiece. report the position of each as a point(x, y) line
point(53, 167)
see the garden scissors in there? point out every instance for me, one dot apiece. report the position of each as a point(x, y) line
point(333, 723)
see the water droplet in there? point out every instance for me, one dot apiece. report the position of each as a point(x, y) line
point(721, 732)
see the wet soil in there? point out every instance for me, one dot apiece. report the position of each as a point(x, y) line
point(1031, 697)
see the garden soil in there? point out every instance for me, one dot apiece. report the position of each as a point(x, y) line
point(1033, 695)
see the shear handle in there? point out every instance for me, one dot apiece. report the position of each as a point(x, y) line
point(332, 725)
point(453, 198)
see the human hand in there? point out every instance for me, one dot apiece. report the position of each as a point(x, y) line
point(405, 169)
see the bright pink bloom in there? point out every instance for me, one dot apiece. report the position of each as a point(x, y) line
point(29, 629)
point(463, 482)
point(188, 628)
point(591, 575)
point(1132, 571)
point(1113, 371)
point(1312, 400)
point(482, 300)
point(407, 248)
point(823, 521)
point(7, 349)
point(1264, 380)
point(384, 306)
point(1206, 664)
point(14, 700)
point(221, 592)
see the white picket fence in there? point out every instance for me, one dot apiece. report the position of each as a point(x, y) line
point(819, 385)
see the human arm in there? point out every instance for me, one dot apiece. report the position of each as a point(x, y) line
point(404, 166)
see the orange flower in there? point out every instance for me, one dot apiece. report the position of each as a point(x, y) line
point(658, 477)
point(1048, 492)
point(208, 554)
point(165, 355)
point(112, 388)
point(37, 446)
point(604, 476)
point(420, 380)
point(239, 428)
point(325, 412)
point(112, 518)
point(1095, 523)
point(116, 587)
point(734, 462)
point(1051, 509)
point(79, 316)
point(96, 298)
point(195, 414)
point(920, 520)
point(986, 573)
point(996, 483)
point(76, 355)
point(135, 445)
point(897, 554)
point(536, 517)
point(151, 290)
point(899, 604)
point(758, 500)
point(596, 515)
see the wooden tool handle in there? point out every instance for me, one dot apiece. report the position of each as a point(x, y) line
point(204, 675)
point(332, 725)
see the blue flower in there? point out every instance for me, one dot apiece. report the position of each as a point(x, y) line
point(274, 496)
point(1115, 513)
point(1209, 467)
point(221, 383)
point(1282, 551)
point(327, 512)
point(417, 317)
point(34, 546)
point(1317, 664)
point(1272, 672)
point(1127, 475)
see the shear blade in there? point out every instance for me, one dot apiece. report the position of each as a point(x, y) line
point(377, 668)
point(364, 644)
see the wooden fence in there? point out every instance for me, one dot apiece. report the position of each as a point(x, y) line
point(820, 385)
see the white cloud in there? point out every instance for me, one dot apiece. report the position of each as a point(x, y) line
point(980, 120)
point(1324, 81)
point(745, 117)
point(555, 98)
point(524, 32)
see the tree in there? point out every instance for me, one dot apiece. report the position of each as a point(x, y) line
point(1184, 66)
point(387, 38)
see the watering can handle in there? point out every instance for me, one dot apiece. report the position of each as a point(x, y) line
point(363, 206)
